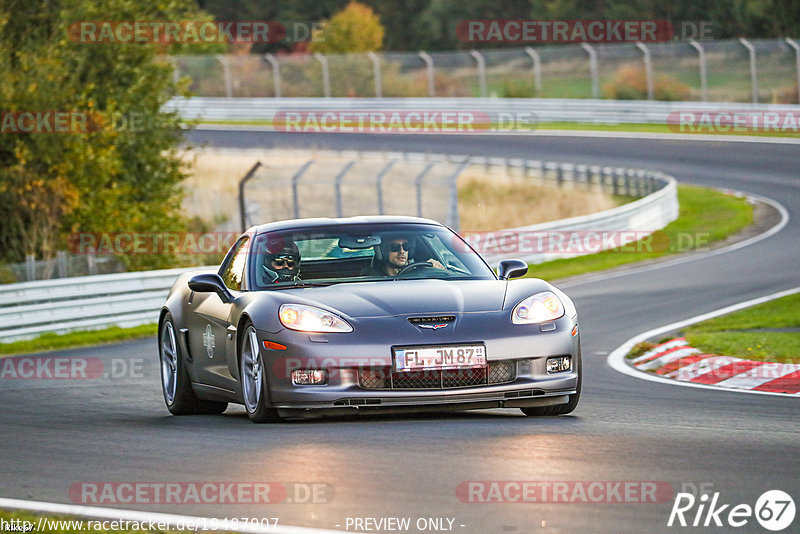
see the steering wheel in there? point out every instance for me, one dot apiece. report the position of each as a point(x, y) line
point(411, 266)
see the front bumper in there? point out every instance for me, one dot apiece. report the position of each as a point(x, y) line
point(346, 356)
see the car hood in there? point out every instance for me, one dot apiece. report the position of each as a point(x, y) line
point(405, 297)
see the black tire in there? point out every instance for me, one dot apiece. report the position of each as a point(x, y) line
point(176, 385)
point(558, 409)
point(253, 378)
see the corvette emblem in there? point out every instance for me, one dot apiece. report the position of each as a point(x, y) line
point(432, 326)
point(208, 341)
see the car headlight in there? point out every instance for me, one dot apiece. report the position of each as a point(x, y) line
point(311, 319)
point(538, 308)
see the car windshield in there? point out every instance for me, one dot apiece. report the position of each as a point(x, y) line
point(362, 253)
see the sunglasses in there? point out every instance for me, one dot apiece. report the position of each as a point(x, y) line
point(395, 247)
point(280, 262)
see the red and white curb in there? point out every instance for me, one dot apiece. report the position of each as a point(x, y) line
point(677, 360)
point(676, 363)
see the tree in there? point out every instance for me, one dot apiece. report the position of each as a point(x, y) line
point(354, 29)
point(121, 173)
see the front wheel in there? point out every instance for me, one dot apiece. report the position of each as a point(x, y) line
point(253, 379)
point(175, 382)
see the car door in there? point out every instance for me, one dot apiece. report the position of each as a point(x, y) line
point(212, 335)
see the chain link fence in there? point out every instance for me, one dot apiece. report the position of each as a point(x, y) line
point(765, 71)
point(64, 265)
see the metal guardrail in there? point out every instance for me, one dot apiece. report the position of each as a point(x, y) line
point(29, 309)
point(128, 299)
point(515, 115)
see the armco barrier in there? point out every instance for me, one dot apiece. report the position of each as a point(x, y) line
point(524, 112)
point(29, 309)
point(129, 299)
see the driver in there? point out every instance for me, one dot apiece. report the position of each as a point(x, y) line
point(281, 262)
point(396, 254)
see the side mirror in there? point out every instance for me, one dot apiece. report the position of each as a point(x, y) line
point(511, 269)
point(210, 283)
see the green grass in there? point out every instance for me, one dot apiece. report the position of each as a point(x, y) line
point(730, 335)
point(705, 216)
point(78, 339)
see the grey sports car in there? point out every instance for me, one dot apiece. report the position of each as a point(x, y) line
point(329, 316)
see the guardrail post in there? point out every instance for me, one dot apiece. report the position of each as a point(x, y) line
point(326, 74)
point(593, 69)
point(560, 175)
point(537, 69)
point(242, 182)
point(796, 47)
point(701, 58)
point(481, 70)
point(753, 74)
point(376, 73)
point(295, 184)
point(379, 183)
point(337, 186)
point(418, 185)
point(648, 69)
point(226, 72)
point(276, 74)
point(429, 71)
point(453, 219)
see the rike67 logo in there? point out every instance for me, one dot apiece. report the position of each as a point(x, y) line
point(774, 510)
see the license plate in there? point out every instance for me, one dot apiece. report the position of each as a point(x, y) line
point(439, 357)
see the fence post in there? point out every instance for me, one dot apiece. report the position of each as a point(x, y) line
point(61, 263)
point(30, 267)
point(295, 183)
point(242, 182)
point(226, 72)
point(453, 219)
point(176, 73)
point(276, 74)
point(593, 69)
point(326, 75)
point(648, 69)
point(701, 57)
point(379, 183)
point(481, 70)
point(537, 69)
point(376, 73)
point(753, 74)
point(418, 185)
point(796, 47)
point(429, 70)
point(337, 185)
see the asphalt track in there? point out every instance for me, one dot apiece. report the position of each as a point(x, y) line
point(56, 433)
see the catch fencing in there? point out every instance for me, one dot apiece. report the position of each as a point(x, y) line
point(758, 71)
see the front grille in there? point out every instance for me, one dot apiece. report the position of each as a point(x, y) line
point(384, 378)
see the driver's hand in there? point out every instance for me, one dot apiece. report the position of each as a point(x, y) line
point(436, 264)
